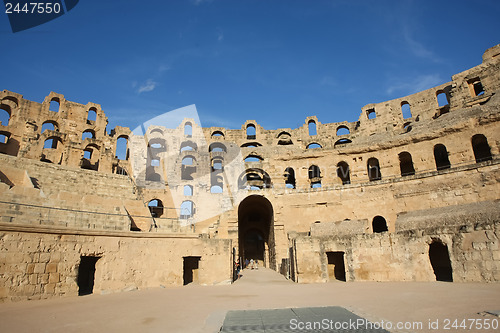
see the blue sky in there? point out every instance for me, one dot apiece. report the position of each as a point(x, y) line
point(276, 62)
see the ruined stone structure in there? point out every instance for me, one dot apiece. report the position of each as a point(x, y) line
point(408, 192)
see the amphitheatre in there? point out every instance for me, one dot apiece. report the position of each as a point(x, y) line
point(407, 193)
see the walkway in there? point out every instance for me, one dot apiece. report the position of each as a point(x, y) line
point(202, 309)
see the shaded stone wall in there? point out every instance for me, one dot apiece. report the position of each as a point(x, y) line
point(43, 262)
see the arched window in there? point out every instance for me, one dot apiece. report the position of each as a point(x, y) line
point(88, 134)
point(188, 160)
point(156, 208)
point(251, 145)
point(314, 176)
point(54, 104)
point(155, 162)
point(4, 137)
point(373, 169)
point(284, 139)
point(442, 99)
point(342, 130)
point(49, 125)
point(188, 130)
point(188, 145)
point(406, 164)
point(188, 168)
point(441, 157)
point(187, 209)
point(312, 127)
point(121, 151)
point(379, 224)
point(343, 172)
point(217, 134)
point(188, 190)
point(341, 142)
point(253, 158)
point(289, 178)
point(370, 114)
point(251, 132)
point(313, 146)
point(5, 114)
point(51, 143)
point(217, 147)
point(405, 110)
point(216, 189)
point(157, 145)
point(217, 163)
point(92, 114)
point(481, 148)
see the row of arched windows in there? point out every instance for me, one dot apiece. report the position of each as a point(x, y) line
point(480, 147)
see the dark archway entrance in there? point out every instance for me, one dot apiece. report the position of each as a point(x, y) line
point(440, 261)
point(86, 274)
point(256, 231)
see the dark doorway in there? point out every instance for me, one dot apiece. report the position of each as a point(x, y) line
point(379, 224)
point(256, 231)
point(440, 261)
point(336, 267)
point(190, 268)
point(86, 274)
point(481, 148)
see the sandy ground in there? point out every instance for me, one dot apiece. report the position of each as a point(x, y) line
point(196, 308)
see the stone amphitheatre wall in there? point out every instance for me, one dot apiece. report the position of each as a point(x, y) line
point(415, 171)
point(43, 262)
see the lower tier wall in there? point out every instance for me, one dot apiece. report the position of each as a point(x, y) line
point(473, 252)
point(44, 262)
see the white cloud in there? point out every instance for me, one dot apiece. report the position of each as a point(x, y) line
point(416, 48)
point(149, 85)
point(419, 83)
point(220, 36)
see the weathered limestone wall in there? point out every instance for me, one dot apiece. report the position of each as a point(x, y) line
point(472, 240)
point(43, 262)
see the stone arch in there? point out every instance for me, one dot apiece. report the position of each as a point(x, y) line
point(254, 179)
point(216, 134)
point(251, 132)
point(88, 134)
point(406, 110)
point(379, 224)
point(373, 167)
point(251, 145)
point(156, 207)
point(289, 178)
point(314, 174)
point(256, 231)
point(5, 114)
point(188, 146)
point(343, 172)
point(188, 129)
point(217, 147)
point(50, 125)
point(406, 164)
point(342, 130)
point(481, 148)
point(441, 157)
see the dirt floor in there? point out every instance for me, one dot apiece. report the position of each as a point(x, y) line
point(196, 308)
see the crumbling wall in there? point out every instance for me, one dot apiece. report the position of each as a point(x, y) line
point(473, 248)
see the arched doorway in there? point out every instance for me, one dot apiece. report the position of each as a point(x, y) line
point(256, 231)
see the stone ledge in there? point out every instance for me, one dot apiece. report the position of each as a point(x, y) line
point(65, 231)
